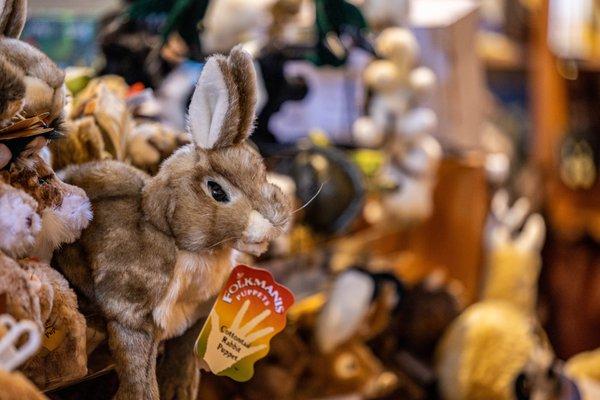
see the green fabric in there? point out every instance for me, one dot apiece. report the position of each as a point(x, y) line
point(332, 16)
point(183, 16)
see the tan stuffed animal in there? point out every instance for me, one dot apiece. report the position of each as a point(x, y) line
point(18, 340)
point(22, 294)
point(150, 143)
point(63, 354)
point(98, 124)
point(65, 211)
point(498, 339)
point(160, 247)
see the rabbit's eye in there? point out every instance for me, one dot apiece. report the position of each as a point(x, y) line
point(217, 192)
point(42, 180)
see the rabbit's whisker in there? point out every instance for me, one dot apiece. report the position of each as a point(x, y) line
point(311, 199)
point(222, 241)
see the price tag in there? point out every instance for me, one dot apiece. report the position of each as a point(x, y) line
point(249, 311)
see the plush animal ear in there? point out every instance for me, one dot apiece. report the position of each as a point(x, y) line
point(12, 17)
point(5, 155)
point(223, 104)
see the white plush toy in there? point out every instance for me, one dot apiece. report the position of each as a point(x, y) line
point(229, 22)
point(398, 123)
point(383, 13)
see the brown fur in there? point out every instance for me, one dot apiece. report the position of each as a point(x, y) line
point(82, 143)
point(12, 18)
point(43, 80)
point(126, 259)
point(68, 360)
point(25, 296)
point(12, 91)
point(15, 386)
point(27, 173)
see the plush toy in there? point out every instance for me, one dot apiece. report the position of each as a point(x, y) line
point(65, 209)
point(396, 123)
point(64, 327)
point(19, 221)
point(40, 77)
point(18, 340)
point(98, 124)
point(384, 13)
point(63, 355)
point(12, 91)
point(159, 248)
point(150, 143)
point(22, 294)
point(498, 339)
point(222, 30)
point(83, 142)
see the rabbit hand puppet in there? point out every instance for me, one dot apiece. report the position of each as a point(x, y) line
point(159, 248)
point(36, 82)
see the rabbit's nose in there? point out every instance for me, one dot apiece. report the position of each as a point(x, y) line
point(259, 228)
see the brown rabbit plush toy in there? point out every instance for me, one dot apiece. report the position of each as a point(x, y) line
point(159, 248)
point(64, 211)
point(26, 68)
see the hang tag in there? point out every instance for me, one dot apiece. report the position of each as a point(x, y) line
point(249, 311)
point(53, 336)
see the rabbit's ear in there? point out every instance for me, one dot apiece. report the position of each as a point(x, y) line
point(12, 17)
point(244, 76)
point(223, 104)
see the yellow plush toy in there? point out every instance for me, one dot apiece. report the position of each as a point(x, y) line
point(496, 340)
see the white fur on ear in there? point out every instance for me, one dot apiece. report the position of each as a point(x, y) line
point(208, 106)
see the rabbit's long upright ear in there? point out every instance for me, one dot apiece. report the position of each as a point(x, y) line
point(222, 109)
point(12, 17)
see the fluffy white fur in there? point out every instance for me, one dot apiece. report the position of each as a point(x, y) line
point(258, 228)
point(19, 225)
point(62, 225)
point(208, 106)
point(197, 277)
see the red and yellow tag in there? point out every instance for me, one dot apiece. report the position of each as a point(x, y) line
point(249, 311)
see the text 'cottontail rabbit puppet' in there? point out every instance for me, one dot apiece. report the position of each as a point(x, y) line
point(160, 247)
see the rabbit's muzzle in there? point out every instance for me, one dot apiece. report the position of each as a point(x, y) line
point(259, 232)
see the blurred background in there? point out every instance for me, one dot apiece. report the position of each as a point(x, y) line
point(444, 156)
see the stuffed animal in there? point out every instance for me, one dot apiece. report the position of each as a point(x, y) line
point(63, 326)
point(496, 340)
point(19, 221)
point(64, 208)
point(41, 79)
point(150, 143)
point(98, 124)
point(12, 91)
point(395, 122)
point(159, 248)
point(18, 340)
point(384, 13)
point(22, 294)
point(63, 356)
